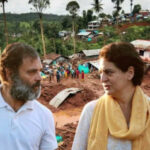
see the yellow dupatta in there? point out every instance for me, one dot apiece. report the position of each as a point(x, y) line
point(109, 119)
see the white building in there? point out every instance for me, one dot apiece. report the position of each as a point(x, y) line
point(93, 25)
point(143, 47)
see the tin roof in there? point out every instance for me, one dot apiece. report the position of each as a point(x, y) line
point(95, 63)
point(84, 33)
point(141, 44)
point(92, 52)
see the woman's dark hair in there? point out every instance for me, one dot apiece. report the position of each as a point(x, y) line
point(124, 55)
point(12, 57)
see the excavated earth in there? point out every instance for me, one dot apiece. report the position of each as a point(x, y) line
point(67, 114)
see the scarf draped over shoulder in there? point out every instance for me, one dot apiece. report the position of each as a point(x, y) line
point(108, 118)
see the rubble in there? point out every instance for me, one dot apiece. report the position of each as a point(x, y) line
point(67, 132)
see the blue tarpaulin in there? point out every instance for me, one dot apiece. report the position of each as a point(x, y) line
point(43, 75)
point(84, 68)
point(89, 39)
point(82, 30)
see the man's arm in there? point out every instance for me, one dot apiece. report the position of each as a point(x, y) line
point(48, 141)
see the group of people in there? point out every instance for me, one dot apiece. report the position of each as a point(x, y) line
point(64, 72)
point(118, 120)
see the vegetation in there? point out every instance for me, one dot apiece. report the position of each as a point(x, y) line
point(131, 4)
point(28, 29)
point(97, 6)
point(136, 32)
point(40, 6)
point(136, 9)
point(117, 8)
point(32, 17)
point(4, 19)
point(73, 7)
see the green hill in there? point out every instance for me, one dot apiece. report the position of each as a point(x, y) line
point(31, 17)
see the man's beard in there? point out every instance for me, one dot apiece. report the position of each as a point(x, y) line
point(22, 91)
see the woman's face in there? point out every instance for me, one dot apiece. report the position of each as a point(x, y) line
point(114, 81)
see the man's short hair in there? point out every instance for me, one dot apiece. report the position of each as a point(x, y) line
point(12, 57)
point(124, 55)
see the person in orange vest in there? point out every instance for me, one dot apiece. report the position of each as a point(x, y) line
point(66, 74)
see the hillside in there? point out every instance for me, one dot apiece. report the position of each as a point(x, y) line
point(127, 25)
point(31, 17)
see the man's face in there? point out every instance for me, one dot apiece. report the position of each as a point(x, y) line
point(26, 84)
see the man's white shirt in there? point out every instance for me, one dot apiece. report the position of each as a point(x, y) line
point(30, 128)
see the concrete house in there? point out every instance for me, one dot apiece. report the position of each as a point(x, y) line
point(143, 48)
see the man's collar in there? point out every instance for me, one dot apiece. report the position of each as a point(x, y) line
point(2, 101)
point(28, 105)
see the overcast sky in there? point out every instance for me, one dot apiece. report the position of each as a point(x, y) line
point(59, 6)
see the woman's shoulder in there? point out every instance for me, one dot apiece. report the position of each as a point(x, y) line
point(91, 105)
point(89, 108)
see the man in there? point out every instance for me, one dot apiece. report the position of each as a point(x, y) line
point(25, 124)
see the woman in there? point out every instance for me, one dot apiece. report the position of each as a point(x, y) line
point(120, 119)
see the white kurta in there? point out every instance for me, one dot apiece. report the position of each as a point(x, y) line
point(80, 139)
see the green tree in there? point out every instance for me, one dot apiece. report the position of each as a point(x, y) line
point(136, 9)
point(4, 18)
point(131, 4)
point(89, 15)
point(134, 32)
point(109, 16)
point(97, 6)
point(51, 31)
point(40, 5)
point(102, 15)
point(73, 7)
point(84, 18)
point(117, 7)
point(2, 37)
point(66, 23)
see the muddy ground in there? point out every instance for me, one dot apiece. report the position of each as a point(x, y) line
point(68, 113)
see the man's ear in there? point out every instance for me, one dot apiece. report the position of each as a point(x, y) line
point(130, 73)
point(8, 74)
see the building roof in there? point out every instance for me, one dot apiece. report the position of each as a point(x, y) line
point(95, 63)
point(95, 21)
point(47, 61)
point(84, 33)
point(144, 12)
point(93, 52)
point(142, 44)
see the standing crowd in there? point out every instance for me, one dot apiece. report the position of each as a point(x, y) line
point(61, 72)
